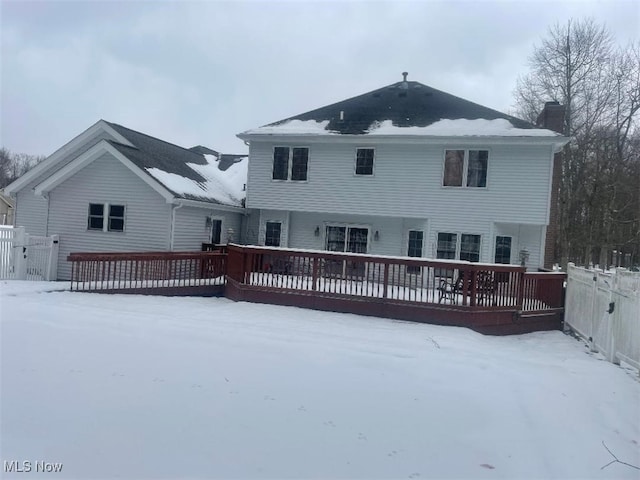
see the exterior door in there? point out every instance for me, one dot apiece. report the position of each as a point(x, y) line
point(216, 231)
point(349, 240)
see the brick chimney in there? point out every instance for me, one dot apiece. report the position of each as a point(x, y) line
point(552, 118)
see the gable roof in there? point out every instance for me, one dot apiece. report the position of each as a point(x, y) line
point(63, 153)
point(405, 107)
point(193, 174)
point(150, 152)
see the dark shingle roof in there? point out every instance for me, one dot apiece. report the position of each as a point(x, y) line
point(151, 152)
point(406, 104)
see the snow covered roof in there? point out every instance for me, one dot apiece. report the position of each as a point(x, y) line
point(404, 108)
point(196, 174)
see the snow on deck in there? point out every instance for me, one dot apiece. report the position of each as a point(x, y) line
point(131, 386)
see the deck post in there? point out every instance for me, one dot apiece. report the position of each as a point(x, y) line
point(314, 274)
point(520, 295)
point(385, 275)
point(474, 283)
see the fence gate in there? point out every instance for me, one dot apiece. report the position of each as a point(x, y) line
point(605, 308)
point(27, 257)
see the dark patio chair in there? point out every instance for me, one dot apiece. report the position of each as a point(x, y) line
point(449, 288)
point(485, 287)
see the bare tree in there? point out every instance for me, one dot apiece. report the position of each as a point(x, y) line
point(14, 165)
point(578, 66)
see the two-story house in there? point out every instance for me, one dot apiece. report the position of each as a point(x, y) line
point(403, 170)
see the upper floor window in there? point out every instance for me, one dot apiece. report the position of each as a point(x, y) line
point(106, 217)
point(364, 161)
point(465, 167)
point(290, 163)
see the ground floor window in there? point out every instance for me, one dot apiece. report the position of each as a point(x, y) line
point(106, 217)
point(469, 248)
point(447, 245)
point(96, 216)
point(503, 250)
point(454, 246)
point(272, 234)
point(414, 248)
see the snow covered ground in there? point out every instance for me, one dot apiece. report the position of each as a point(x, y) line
point(117, 386)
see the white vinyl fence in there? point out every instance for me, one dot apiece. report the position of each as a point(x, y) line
point(27, 257)
point(604, 308)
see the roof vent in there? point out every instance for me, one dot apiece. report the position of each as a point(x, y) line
point(404, 85)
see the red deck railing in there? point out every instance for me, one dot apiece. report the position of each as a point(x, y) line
point(143, 272)
point(401, 279)
point(497, 299)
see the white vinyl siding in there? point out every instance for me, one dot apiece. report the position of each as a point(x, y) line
point(408, 182)
point(31, 211)
point(107, 181)
point(192, 229)
point(390, 230)
point(250, 227)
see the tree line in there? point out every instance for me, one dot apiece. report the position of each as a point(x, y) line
point(14, 165)
point(578, 65)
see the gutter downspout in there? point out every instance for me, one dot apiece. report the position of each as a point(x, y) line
point(46, 221)
point(174, 207)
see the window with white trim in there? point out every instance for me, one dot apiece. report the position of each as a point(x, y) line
point(414, 248)
point(503, 249)
point(364, 161)
point(290, 163)
point(272, 234)
point(465, 167)
point(453, 246)
point(347, 238)
point(106, 217)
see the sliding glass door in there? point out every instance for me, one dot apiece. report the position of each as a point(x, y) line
point(348, 239)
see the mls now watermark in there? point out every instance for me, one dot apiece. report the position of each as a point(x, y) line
point(27, 466)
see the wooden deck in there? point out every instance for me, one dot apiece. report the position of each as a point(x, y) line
point(489, 298)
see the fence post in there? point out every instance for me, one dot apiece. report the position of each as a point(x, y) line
point(20, 242)
point(594, 294)
point(613, 320)
point(52, 267)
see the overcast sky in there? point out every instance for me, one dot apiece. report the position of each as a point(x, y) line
point(200, 72)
